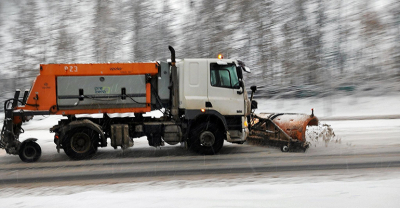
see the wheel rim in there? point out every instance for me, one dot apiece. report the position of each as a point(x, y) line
point(29, 152)
point(285, 148)
point(80, 142)
point(207, 139)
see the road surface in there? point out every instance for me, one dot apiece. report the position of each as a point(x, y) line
point(359, 145)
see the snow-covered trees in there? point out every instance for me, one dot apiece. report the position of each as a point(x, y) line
point(286, 43)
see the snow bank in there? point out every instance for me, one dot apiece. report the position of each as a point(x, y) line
point(352, 191)
point(334, 106)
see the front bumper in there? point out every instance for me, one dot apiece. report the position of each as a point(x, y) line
point(236, 136)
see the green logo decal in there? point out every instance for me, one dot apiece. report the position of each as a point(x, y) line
point(102, 90)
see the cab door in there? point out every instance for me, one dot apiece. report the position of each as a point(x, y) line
point(223, 86)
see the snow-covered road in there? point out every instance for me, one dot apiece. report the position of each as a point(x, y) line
point(367, 188)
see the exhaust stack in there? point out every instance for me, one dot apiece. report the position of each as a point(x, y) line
point(175, 86)
point(172, 55)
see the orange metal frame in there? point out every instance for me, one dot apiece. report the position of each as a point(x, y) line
point(43, 95)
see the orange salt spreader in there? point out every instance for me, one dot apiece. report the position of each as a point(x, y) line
point(69, 89)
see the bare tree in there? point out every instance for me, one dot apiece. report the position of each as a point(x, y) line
point(395, 11)
point(25, 39)
point(371, 30)
point(191, 37)
point(66, 42)
point(164, 31)
point(105, 31)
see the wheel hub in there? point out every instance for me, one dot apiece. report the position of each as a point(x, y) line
point(80, 143)
point(29, 152)
point(207, 139)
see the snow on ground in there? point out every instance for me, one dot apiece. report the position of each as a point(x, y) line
point(352, 190)
point(334, 106)
point(348, 132)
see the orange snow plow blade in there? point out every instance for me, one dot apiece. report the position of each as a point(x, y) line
point(284, 129)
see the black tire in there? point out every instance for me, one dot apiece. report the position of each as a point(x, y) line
point(285, 148)
point(206, 130)
point(80, 143)
point(30, 151)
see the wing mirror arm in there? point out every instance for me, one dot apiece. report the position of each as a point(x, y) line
point(254, 104)
point(253, 90)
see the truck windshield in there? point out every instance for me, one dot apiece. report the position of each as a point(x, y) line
point(224, 76)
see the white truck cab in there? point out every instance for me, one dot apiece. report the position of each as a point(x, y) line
point(214, 87)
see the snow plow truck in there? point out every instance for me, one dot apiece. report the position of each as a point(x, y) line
point(203, 101)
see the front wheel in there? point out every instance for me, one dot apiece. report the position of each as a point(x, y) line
point(206, 138)
point(80, 143)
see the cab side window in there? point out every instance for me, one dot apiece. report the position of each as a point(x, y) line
point(223, 76)
point(213, 78)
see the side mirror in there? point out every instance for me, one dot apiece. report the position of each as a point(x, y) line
point(253, 88)
point(243, 66)
point(254, 105)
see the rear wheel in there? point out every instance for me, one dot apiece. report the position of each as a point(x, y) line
point(30, 151)
point(80, 143)
point(206, 138)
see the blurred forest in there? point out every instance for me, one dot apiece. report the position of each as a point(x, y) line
point(296, 48)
